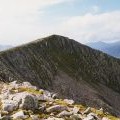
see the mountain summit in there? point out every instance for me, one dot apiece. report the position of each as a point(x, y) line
point(71, 69)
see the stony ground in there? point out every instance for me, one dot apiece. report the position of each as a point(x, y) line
point(22, 101)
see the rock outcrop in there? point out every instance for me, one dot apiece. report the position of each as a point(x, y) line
point(23, 103)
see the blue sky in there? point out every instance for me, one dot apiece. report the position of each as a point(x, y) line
point(22, 21)
point(81, 7)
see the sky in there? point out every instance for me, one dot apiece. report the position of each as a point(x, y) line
point(22, 21)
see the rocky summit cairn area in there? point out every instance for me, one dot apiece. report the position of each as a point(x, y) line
point(23, 101)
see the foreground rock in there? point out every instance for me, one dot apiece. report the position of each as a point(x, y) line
point(26, 101)
point(9, 105)
point(19, 115)
point(22, 101)
point(56, 108)
point(65, 114)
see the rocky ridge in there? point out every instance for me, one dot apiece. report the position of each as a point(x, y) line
point(23, 101)
point(62, 65)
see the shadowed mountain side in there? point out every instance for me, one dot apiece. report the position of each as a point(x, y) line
point(65, 66)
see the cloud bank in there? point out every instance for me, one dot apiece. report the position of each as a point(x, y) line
point(24, 20)
point(20, 20)
point(93, 27)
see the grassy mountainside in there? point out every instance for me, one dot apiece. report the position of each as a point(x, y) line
point(65, 66)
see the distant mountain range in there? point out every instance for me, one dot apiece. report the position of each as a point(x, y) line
point(112, 49)
point(66, 67)
point(5, 47)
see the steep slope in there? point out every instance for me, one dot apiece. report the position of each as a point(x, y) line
point(67, 67)
point(112, 49)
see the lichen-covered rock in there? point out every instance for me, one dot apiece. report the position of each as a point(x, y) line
point(53, 118)
point(26, 100)
point(76, 117)
point(75, 110)
point(5, 93)
point(64, 114)
point(34, 117)
point(29, 103)
point(42, 108)
point(94, 115)
point(28, 85)
point(54, 96)
point(43, 97)
point(105, 118)
point(70, 102)
point(19, 115)
point(56, 108)
point(9, 105)
point(14, 85)
point(89, 118)
point(87, 111)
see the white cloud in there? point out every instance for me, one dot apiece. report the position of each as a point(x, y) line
point(23, 7)
point(20, 20)
point(93, 27)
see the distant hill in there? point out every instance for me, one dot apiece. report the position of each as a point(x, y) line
point(64, 66)
point(112, 49)
point(5, 47)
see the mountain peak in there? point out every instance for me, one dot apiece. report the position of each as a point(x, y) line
point(56, 36)
point(51, 38)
